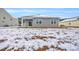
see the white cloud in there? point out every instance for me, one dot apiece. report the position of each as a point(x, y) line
point(13, 10)
point(20, 10)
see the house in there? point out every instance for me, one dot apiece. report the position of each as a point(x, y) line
point(39, 21)
point(6, 19)
point(70, 22)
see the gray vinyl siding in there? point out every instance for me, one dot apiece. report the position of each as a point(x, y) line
point(5, 19)
point(45, 22)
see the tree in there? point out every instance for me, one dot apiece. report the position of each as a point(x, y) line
point(19, 21)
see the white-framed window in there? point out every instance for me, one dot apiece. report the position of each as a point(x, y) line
point(10, 19)
point(38, 21)
point(69, 23)
point(4, 17)
point(51, 21)
point(55, 21)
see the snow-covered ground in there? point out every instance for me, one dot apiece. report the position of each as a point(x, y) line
point(39, 39)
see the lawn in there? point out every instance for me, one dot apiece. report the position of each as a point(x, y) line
point(39, 39)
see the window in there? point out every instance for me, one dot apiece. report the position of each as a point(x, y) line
point(40, 22)
point(51, 21)
point(4, 17)
point(54, 21)
point(11, 19)
point(37, 22)
point(69, 23)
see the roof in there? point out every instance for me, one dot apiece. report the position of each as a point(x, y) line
point(70, 19)
point(42, 16)
point(7, 12)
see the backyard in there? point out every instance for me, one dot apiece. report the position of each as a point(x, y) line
point(39, 39)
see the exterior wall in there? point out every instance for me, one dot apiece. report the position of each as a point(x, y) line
point(45, 22)
point(69, 23)
point(7, 19)
point(25, 23)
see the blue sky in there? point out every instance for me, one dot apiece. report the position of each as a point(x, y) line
point(59, 12)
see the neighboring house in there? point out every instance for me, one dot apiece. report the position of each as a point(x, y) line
point(6, 19)
point(39, 21)
point(70, 22)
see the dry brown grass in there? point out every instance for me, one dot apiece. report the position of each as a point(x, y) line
point(60, 42)
point(39, 37)
point(42, 37)
point(44, 48)
point(52, 46)
point(3, 40)
point(51, 37)
point(11, 49)
point(60, 49)
point(19, 49)
point(4, 49)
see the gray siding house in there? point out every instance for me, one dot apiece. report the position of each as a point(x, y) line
point(39, 21)
point(6, 19)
